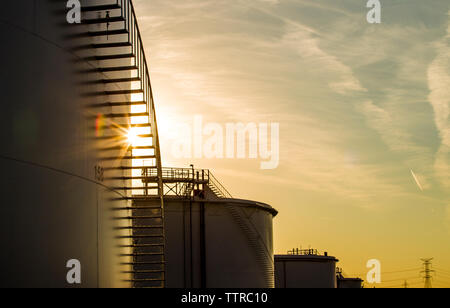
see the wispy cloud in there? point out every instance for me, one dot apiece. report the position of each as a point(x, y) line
point(438, 82)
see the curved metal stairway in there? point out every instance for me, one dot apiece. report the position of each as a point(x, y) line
point(120, 60)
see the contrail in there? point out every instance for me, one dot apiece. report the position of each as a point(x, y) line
point(417, 180)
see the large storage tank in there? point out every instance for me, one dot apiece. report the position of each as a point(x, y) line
point(305, 269)
point(55, 200)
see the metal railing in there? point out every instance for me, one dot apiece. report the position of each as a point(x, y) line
point(303, 252)
point(137, 49)
point(221, 191)
point(187, 177)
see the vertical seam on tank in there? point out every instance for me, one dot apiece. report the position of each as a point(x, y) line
point(34, 16)
point(98, 247)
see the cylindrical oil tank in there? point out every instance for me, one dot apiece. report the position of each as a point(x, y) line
point(349, 283)
point(220, 243)
point(305, 271)
point(55, 203)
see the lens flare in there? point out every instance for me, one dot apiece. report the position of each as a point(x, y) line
point(133, 137)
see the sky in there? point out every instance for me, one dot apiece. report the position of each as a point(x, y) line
point(363, 109)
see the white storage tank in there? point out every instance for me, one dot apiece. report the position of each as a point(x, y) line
point(217, 242)
point(305, 269)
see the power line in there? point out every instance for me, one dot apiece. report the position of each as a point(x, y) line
point(442, 274)
point(399, 285)
point(442, 285)
point(442, 278)
point(443, 270)
point(443, 281)
point(393, 272)
point(400, 279)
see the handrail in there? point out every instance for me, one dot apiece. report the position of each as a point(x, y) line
point(137, 48)
point(223, 191)
point(187, 175)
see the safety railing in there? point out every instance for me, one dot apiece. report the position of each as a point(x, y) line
point(220, 190)
point(303, 252)
point(137, 48)
point(187, 177)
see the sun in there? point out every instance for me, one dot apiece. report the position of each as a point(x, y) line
point(132, 137)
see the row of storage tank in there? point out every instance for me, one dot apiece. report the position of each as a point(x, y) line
point(235, 249)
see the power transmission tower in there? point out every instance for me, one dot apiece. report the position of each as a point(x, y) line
point(405, 285)
point(427, 271)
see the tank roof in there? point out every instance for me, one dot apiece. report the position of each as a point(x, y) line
point(248, 203)
point(300, 258)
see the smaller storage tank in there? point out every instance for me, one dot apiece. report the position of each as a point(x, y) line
point(349, 283)
point(305, 269)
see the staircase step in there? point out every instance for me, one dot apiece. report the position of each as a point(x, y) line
point(141, 236)
point(143, 271)
point(127, 158)
point(117, 68)
point(92, 21)
point(145, 280)
point(109, 57)
point(148, 211)
point(120, 137)
point(128, 126)
point(143, 147)
point(140, 227)
point(120, 80)
point(97, 8)
point(144, 263)
point(128, 168)
point(107, 81)
point(107, 33)
point(126, 178)
point(102, 45)
point(142, 246)
point(146, 207)
point(125, 115)
point(134, 188)
point(118, 92)
point(117, 104)
point(121, 148)
point(137, 218)
point(108, 69)
point(97, 33)
point(142, 254)
point(110, 45)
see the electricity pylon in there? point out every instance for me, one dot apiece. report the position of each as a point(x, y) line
point(427, 271)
